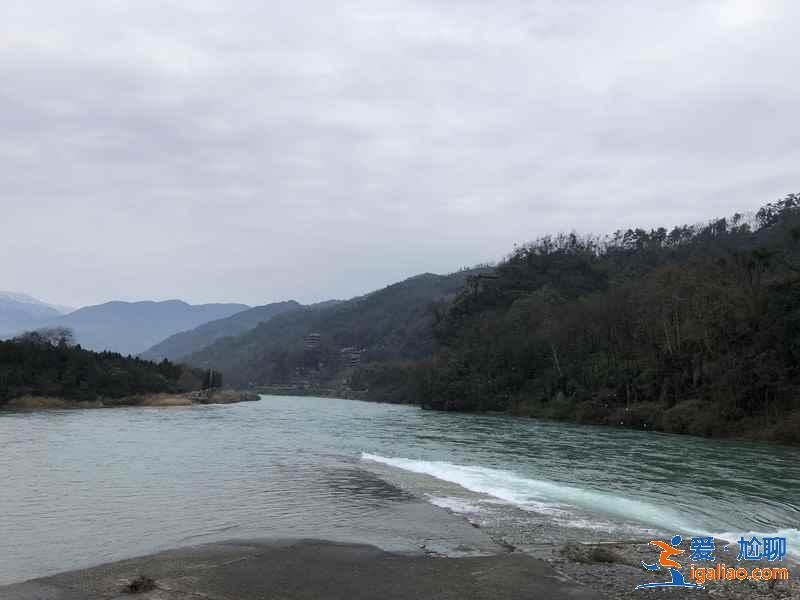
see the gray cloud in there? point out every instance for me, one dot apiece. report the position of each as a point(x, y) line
point(257, 151)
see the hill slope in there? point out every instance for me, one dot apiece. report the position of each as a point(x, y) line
point(389, 324)
point(694, 330)
point(181, 344)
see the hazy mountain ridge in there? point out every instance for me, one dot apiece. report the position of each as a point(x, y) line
point(7, 297)
point(183, 343)
point(21, 311)
point(132, 327)
point(124, 327)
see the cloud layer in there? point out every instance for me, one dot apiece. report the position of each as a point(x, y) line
point(256, 151)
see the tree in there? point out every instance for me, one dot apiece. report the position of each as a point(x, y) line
point(54, 336)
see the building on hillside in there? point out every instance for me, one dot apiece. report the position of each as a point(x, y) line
point(351, 357)
point(312, 341)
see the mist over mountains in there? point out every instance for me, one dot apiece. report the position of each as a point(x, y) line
point(33, 304)
point(20, 311)
point(132, 327)
point(124, 327)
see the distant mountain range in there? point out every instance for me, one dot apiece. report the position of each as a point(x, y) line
point(262, 344)
point(20, 311)
point(14, 297)
point(125, 327)
point(133, 327)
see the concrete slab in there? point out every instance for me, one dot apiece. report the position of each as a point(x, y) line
point(307, 569)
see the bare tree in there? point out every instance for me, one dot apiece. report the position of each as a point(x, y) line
point(54, 336)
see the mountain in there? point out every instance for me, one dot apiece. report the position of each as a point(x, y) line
point(34, 303)
point(393, 323)
point(20, 311)
point(693, 330)
point(132, 327)
point(181, 344)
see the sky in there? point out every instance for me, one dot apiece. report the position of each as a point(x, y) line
point(256, 151)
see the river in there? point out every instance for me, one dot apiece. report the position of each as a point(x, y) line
point(81, 487)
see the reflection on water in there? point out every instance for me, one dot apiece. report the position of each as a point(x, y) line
point(88, 486)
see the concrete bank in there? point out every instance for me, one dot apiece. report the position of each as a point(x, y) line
point(307, 569)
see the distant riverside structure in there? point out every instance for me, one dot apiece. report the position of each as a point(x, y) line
point(351, 357)
point(312, 341)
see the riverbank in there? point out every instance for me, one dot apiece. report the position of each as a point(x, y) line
point(687, 418)
point(289, 569)
point(615, 569)
point(316, 391)
point(147, 400)
point(305, 569)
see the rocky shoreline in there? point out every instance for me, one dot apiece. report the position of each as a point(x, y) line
point(309, 568)
point(615, 568)
point(452, 559)
point(223, 396)
point(303, 569)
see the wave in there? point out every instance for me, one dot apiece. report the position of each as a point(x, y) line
point(457, 505)
point(551, 497)
point(534, 494)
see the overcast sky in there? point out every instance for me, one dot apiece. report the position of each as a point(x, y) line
point(258, 151)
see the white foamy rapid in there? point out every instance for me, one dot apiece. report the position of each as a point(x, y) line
point(458, 505)
point(533, 494)
point(550, 497)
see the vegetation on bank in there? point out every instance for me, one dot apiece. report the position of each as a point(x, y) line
point(45, 364)
point(694, 330)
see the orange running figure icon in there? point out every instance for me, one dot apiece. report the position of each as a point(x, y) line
point(665, 561)
point(666, 551)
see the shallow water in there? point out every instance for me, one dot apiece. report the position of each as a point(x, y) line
point(82, 487)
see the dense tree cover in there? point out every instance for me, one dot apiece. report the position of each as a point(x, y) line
point(694, 330)
point(389, 324)
point(41, 364)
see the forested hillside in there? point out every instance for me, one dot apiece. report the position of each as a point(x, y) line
point(35, 365)
point(694, 330)
point(389, 324)
point(179, 345)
